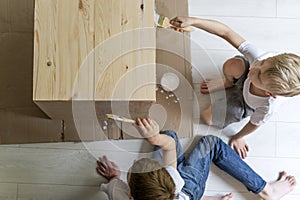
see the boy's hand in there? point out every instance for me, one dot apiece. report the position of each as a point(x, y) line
point(182, 22)
point(147, 128)
point(240, 146)
point(107, 168)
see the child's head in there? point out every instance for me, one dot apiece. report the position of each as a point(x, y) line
point(147, 179)
point(283, 75)
point(280, 75)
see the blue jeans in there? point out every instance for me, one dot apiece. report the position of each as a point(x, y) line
point(194, 170)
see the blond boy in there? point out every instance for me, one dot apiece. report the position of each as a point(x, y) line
point(256, 83)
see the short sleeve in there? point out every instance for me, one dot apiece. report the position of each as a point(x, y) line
point(250, 51)
point(179, 182)
point(116, 189)
point(261, 115)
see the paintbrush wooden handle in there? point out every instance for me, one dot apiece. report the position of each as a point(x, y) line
point(119, 118)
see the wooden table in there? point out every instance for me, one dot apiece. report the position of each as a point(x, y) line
point(93, 57)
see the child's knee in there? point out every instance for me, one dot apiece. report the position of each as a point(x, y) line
point(211, 139)
point(234, 67)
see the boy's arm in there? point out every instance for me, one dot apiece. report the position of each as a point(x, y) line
point(107, 168)
point(149, 129)
point(211, 26)
point(115, 188)
point(238, 143)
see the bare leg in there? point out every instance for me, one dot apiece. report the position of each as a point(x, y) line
point(206, 116)
point(226, 197)
point(278, 189)
point(232, 68)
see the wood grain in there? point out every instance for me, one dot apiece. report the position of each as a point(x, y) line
point(120, 50)
point(173, 55)
point(64, 36)
point(102, 51)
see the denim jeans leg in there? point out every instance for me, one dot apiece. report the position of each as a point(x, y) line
point(210, 149)
point(229, 161)
point(195, 169)
point(157, 154)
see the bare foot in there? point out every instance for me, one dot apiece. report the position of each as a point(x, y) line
point(226, 197)
point(278, 189)
point(211, 85)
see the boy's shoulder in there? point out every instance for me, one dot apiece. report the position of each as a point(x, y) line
point(178, 180)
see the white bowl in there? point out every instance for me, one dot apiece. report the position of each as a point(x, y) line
point(169, 81)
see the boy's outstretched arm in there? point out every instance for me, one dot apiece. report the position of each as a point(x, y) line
point(211, 26)
point(149, 129)
point(238, 143)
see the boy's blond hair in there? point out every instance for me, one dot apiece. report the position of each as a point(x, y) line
point(149, 180)
point(284, 75)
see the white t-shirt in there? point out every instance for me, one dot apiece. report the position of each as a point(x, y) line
point(264, 107)
point(117, 189)
point(179, 183)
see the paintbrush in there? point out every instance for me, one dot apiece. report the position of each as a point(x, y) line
point(119, 118)
point(164, 22)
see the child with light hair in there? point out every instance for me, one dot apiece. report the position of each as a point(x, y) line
point(256, 83)
point(175, 177)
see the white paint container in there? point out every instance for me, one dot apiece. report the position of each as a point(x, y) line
point(169, 81)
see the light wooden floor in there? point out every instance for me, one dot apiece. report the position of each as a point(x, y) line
point(66, 171)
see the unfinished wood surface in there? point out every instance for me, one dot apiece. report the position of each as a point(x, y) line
point(64, 36)
point(173, 55)
point(122, 67)
point(21, 121)
point(83, 120)
point(172, 8)
point(125, 54)
point(87, 120)
point(178, 110)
